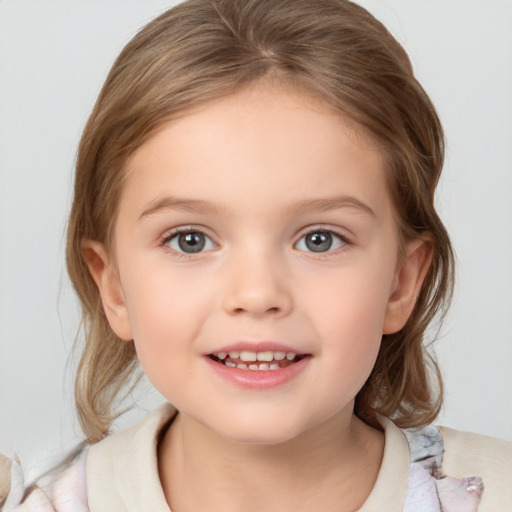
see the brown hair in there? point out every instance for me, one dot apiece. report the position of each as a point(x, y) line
point(203, 49)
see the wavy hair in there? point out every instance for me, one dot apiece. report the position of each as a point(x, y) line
point(201, 50)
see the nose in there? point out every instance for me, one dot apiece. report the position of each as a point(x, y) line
point(258, 285)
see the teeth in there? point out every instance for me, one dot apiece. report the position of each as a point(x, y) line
point(254, 366)
point(250, 356)
point(246, 355)
point(265, 356)
point(261, 366)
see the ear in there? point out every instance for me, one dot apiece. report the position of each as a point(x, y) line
point(407, 283)
point(105, 276)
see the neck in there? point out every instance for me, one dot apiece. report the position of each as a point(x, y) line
point(332, 467)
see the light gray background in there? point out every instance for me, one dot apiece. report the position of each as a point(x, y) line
point(54, 56)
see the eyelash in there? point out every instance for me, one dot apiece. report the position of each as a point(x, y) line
point(166, 239)
point(346, 242)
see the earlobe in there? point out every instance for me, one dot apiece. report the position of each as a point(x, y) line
point(106, 278)
point(407, 284)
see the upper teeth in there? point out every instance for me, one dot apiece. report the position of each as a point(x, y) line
point(247, 355)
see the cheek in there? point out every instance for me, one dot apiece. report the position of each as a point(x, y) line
point(352, 302)
point(161, 333)
point(349, 317)
point(167, 310)
point(158, 313)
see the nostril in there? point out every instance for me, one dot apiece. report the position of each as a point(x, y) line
point(257, 301)
point(272, 310)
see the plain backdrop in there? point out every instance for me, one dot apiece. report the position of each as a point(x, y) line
point(54, 56)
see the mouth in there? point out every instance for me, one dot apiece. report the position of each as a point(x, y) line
point(261, 361)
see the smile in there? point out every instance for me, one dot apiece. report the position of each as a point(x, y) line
point(258, 365)
point(249, 360)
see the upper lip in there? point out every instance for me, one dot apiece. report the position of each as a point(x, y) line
point(259, 346)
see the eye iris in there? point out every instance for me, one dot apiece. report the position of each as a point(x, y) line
point(319, 242)
point(191, 242)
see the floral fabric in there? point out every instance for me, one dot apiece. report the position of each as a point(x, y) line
point(428, 489)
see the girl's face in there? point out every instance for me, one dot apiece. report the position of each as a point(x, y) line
point(257, 231)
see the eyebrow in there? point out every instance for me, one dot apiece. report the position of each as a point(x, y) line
point(333, 203)
point(309, 205)
point(174, 203)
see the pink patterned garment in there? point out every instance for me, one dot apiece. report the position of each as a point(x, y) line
point(428, 489)
point(67, 493)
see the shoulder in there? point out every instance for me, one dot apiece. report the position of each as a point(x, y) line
point(60, 490)
point(103, 477)
point(491, 459)
point(470, 471)
point(465, 450)
point(143, 433)
point(123, 467)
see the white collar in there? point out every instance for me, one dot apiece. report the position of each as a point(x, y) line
point(122, 470)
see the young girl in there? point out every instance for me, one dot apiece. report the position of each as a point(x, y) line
point(253, 222)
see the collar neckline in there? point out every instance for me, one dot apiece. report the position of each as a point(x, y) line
point(122, 470)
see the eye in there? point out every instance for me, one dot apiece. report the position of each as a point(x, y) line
point(320, 241)
point(189, 242)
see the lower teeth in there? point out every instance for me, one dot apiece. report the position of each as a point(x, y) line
point(260, 367)
point(256, 365)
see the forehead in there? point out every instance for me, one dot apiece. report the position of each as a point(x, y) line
point(266, 139)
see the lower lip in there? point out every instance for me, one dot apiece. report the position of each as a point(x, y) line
point(259, 379)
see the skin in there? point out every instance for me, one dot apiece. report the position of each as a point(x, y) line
point(268, 165)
